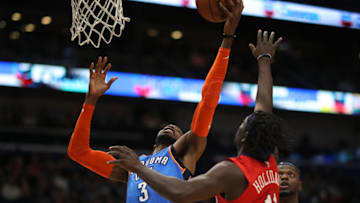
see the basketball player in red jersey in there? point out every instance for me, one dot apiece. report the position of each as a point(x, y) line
point(252, 176)
point(179, 152)
point(290, 183)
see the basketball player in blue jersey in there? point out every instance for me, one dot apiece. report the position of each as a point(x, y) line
point(175, 154)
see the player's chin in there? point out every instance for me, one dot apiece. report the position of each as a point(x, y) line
point(285, 193)
point(165, 135)
point(166, 139)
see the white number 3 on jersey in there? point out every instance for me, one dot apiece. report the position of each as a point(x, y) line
point(144, 193)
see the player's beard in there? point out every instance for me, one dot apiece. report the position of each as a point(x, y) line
point(165, 139)
point(286, 193)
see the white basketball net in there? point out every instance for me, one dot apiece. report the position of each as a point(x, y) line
point(94, 21)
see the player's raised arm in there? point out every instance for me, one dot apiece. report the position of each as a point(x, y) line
point(79, 148)
point(191, 146)
point(264, 52)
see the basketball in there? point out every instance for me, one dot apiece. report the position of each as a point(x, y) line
point(210, 10)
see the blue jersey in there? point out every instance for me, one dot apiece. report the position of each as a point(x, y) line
point(164, 162)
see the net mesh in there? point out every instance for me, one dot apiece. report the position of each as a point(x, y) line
point(94, 21)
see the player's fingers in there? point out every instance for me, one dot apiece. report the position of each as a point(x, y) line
point(278, 42)
point(98, 65)
point(104, 62)
point(114, 162)
point(230, 4)
point(91, 69)
point(224, 9)
point(124, 148)
point(259, 37)
point(107, 68)
point(272, 37)
point(111, 81)
point(114, 153)
point(240, 4)
point(252, 48)
point(127, 149)
point(115, 148)
point(119, 150)
point(265, 36)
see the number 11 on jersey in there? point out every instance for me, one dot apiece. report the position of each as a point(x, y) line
point(269, 200)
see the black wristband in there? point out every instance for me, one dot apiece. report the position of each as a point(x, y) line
point(228, 36)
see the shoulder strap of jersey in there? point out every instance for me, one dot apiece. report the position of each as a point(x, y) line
point(186, 173)
point(238, 164)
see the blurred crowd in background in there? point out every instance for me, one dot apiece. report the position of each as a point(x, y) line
point(28, 177)
point(52, 178)
point(30, 173)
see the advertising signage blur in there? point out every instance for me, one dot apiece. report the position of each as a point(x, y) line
point(282, 10)
point(27, 75)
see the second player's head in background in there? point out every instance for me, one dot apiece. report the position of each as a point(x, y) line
point(290, 183)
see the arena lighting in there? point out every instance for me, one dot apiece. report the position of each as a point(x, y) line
point(14, 35)
point(29, 27)
point(27, 75)
point(177, 34)
point(2, 24)
point(16, 16)
point(46, 20)
point(282, 10)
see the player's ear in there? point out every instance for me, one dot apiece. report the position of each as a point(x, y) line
point(244, 137)
point(154, 146)
point(300, 186)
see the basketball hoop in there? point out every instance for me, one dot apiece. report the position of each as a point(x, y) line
point(94, 21)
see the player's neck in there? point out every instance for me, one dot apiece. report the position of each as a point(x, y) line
point(240, 151)
point(289, 199)
point(159, 148)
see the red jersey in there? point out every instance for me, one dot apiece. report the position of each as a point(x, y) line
point(263, 181)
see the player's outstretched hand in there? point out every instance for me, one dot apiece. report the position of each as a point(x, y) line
point(126, 158)
point(97, 85)
point(233, 15)
point(265, 45)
